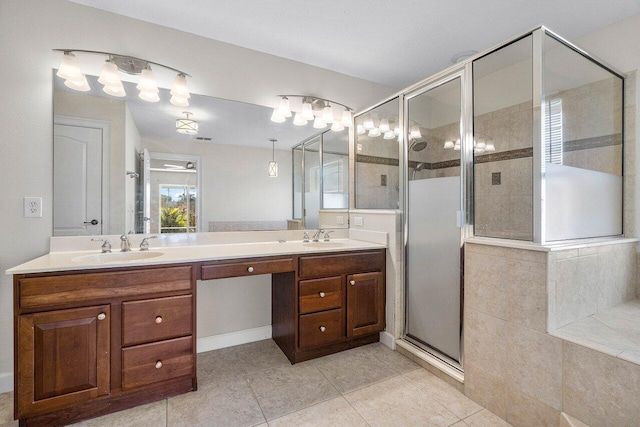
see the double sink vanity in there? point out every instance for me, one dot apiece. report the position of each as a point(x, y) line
point(100, 332)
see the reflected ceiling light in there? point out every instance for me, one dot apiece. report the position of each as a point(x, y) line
point(456, 146)
point(397, 129)
point(273, 165)
point(389, 135)
point(318, 123)
point(375, 132)
point(384, 126)
point(337, 126)
point(490, 147)
point(110, 78)
point(187, 126)
point(360, 129)
point(448, 145)
point(310, 108)
point(298, 120)
point(368, 124)
point(414, 132)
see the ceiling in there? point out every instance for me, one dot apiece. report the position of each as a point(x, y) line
point(392, 43)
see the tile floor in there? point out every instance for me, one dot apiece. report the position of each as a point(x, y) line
point(255, 385)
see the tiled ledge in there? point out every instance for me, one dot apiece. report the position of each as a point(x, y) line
point(551, 247)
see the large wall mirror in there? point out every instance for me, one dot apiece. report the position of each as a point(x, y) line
point(120, 166)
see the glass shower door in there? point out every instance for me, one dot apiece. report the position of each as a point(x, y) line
point(434, 212)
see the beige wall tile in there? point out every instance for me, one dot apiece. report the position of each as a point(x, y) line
point(486, 284)
point(534, 364)
point(527, 294)
point(485, 343)
point(526, 411)
point(485, 389)
point(576, 289)
point(600, 389)
point(616, 276)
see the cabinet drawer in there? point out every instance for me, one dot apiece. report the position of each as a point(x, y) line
point(246, 268)
point(42, 292)
point(348, 263)
point(320, 294)
point(156, 319)
point(321, 328)
point(160, 361)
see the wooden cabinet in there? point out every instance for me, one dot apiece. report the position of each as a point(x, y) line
point(93, 343)
point(337, 301)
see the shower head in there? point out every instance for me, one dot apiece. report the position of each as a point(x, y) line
point(418, 167)
point(418, 145)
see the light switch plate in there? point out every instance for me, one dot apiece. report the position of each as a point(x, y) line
point(339, 220)
point(357, 220)
point(33, 207)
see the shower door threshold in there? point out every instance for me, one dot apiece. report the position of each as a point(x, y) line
point(432, 357)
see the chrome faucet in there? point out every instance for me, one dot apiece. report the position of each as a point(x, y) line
point(326, 235)
point(106, 246)
point(144, 245)
point(125, 246)
point(316, 235)
point(305, 237)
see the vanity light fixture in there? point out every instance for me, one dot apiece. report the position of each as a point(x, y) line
point(310, 108)
point(273, 165)
point(481, 144)
point(187, 126)
point(110, 79)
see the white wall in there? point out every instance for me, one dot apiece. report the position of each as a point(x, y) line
point(29, 29)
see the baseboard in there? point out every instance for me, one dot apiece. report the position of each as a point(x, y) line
point(6, 382)
point(425, 357)
point(387, 339)
point(230, 339)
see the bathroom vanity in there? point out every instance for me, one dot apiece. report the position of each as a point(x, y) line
point(94, 340)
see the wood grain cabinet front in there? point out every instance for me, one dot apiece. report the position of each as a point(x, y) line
point(156, 319)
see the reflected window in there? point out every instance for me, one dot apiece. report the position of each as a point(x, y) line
point(177, 209)
point(553, 131)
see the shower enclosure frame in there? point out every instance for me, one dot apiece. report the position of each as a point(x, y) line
point(464, 69)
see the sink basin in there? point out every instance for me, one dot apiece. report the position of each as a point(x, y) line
point(116, 257)
point(327, 245)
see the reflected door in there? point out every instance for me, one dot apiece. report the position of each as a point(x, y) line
point(77, 180)
point(433, 242)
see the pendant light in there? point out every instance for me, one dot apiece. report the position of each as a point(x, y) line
point(273, 165)
point(110, 79)
point(327, 114)
point(318, 123)
point(284, 109)
point(318, 110)
point(187, 126)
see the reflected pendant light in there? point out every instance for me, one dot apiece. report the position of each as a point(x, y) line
point(187, 126)
point(179, 92)
point(273, 165)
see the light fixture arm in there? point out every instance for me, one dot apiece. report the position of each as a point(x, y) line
point(317, 98)
point(111, 54)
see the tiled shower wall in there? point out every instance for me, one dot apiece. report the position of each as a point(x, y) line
point(516, 369)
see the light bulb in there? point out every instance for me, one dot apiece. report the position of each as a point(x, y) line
point(69, 69)
point(109, 75)
point(179, 88)
point(149, 96)
point(384, 126)
point(360, 129)
point(337, 126)
point(397, 129)
point(389, 135)
point(318, 123)
point(147, 82)
point(114, 91)
point(368, 123)
point(283, 107)
point(489, 147)
point(327, 114)
point(276, 117)
point(415, 132)
point(375, 132)
point(179, 102)
point(307, 111)
point(448, 145)
point(81, 84)
point(298, 120)
point(347, 118)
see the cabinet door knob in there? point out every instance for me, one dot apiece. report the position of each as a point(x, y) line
point(102, 316)
point(321, 294)
point(159, 319)
point(159, 364)
point(322, 329)
point(250, 269)
point(352, 282)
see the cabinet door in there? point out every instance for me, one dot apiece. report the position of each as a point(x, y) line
point(365, 303)
point(62, 358)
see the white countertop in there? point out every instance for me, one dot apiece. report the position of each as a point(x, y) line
point(87, 259)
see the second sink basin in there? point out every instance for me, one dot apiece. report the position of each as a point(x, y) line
point(115, 257)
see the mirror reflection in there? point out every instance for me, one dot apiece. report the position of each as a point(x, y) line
point(120, 166)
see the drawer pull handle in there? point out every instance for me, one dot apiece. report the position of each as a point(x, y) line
point(159, 364)
point(159, 319)
point(321, 294)
point(352, 282)
point(102, 316)
point(322, 328)
point(250, 269)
